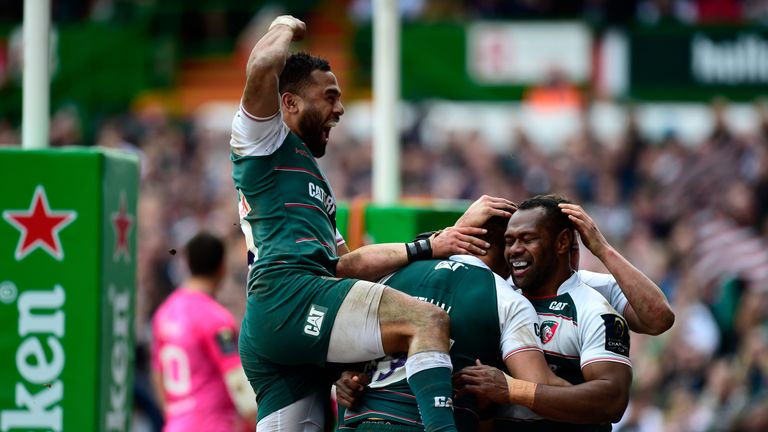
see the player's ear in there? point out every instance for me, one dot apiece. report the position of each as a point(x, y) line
point(564, 241)
point(290, 102)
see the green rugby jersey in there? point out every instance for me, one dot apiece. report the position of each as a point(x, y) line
point(489, 321)
point(287, 207)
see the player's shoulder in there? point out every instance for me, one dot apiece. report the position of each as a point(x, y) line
point(167, 306)
point(595, 279)
point(506, 294)
point(586, 298)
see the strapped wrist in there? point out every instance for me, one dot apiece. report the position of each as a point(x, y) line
point(419, 250)
point(521, 392)
point(283, 20)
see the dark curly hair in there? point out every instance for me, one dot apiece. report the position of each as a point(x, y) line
point(556, 220)
point(298, 68)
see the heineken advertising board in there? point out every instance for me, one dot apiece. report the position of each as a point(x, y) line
point(698, 63)
point(67, 289)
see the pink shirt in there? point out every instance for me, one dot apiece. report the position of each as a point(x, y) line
point(194, 344)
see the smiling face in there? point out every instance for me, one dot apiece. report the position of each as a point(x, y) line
point(318, 109)
point(530, 249)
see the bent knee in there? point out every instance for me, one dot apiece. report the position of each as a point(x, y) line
point(434, 317)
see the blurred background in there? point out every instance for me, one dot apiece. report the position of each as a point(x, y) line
point(650, 113)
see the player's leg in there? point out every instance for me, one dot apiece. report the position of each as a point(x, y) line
point(304, 415)
point(374, 319)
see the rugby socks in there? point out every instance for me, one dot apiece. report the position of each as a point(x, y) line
point(429, 376)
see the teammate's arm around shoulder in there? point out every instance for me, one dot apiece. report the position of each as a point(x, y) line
point(267, 59)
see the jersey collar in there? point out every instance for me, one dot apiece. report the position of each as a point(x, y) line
point(570, 284)
point(469, 259)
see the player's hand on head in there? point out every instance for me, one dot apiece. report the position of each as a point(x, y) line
point(485, 208)
point(458, 241)
point(588, 231)
point(485, 382)
point(350, 387)
point(296, 25)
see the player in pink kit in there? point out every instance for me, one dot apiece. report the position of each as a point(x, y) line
point(196, 366)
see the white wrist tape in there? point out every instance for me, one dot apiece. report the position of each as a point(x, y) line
point(284, 20)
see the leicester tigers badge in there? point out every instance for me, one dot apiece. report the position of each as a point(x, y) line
point(548, 329)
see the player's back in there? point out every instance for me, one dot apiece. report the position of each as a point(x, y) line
point(186, 328)
point(468, 293)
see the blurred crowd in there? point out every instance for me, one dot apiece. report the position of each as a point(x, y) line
point(694, 217)
point(207, 17)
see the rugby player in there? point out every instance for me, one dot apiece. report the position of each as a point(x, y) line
point(585, 341)
point(303, 308)
point(196, 369)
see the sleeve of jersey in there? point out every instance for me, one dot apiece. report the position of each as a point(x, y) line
point(339, 238)
point(607, 286)
point(518, 321)
point(604, 336)
point(257, 136)
point(221, 344)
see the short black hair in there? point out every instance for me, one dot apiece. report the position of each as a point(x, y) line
point(205, 253)
point(298, 68)
point(496, 226)
point(556, 219)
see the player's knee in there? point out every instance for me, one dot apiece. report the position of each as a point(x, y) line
point(436, 318)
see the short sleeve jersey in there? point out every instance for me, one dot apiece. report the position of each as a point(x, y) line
point(577, 327)
point(606, 285)
point(286, 205)
point(193, 355)
point(489, 321)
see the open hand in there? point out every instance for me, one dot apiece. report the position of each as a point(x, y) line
point(485, 208)
point(591, 236)
point(458, 241)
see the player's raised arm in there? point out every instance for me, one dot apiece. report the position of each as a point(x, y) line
point(267, 59)
point(647, 310)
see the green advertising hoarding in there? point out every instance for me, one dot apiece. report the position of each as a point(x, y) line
point(411, 221)
point(678, 62)
point(67, 289)
point(481, 60)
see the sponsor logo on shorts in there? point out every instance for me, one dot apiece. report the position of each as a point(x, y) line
point(443, 402)
point(315, 320)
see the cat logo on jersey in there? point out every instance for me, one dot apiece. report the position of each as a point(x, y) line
point(450, 265)
point(548, 329)
point(326, 199)
point(558, 306)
